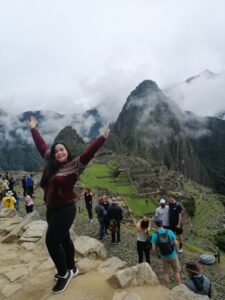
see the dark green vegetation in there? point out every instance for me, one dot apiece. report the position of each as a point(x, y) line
point(220, 239)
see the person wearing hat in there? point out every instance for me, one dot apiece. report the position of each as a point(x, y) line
point(197, 282)
point(9, 201)
point(162, 212)
point(164, 241)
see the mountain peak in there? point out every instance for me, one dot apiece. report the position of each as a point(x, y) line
point(145, 86)
point(207, 74)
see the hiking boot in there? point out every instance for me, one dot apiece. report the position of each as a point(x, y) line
point(75, 272)
point(62, 283)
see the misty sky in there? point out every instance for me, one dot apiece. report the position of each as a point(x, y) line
point(69, 56)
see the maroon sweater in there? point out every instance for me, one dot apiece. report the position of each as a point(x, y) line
point(60, 191)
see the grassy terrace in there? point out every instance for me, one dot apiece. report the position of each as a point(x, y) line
point(99, 175)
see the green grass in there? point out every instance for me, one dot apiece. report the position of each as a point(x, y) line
point(207, 210)
point(99, 175)
point(139, 206)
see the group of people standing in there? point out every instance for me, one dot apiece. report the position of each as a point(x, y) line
point(109, 215)
point(10, 198)
point(166, 242)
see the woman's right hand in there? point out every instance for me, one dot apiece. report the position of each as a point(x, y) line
point(32, 122)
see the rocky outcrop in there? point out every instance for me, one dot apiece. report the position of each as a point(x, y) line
point(27, 265)
point(138, 275)
point(18, 230)
point(182, 292)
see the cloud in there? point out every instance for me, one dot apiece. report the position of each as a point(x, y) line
point(71, 56)
point(204, 95)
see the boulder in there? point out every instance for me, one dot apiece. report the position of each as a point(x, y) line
point(207, 259)
point(16, 232)
point(8, 224)
point(112, 265)
point(33, 231)
point(85, 265)
point(90, 247)
point(137, 275)
point(7, 213)
point(182, 292)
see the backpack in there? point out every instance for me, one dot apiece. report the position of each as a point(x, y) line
point(164, 243)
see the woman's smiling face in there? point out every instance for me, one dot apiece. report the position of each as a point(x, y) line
point(61, 154)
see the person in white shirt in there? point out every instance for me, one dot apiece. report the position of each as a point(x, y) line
point(162, 212)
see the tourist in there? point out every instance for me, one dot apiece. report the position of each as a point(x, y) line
point(88, 197)
point(60, 174)
point(162, 212)
point(23, 183)
point(114, 217)
point(29, 184)
point(9, 201)
point(175, 219)
point(143, 240)
point(165, 241)
point(101, 212)
point(197, 283)
point(29, 203)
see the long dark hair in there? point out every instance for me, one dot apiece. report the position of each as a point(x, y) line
point(52, 165)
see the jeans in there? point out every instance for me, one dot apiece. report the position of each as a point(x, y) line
point(101, 229)
point(58, 241)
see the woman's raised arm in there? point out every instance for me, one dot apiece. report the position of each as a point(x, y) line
point(38, 139)
point(90, 151)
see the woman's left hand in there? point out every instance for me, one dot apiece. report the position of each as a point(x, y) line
point(105, 131)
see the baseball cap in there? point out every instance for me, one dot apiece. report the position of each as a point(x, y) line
point(158, 222)
point(163, 201)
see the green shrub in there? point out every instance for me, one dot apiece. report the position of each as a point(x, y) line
point(190, 206)
point(220, 239)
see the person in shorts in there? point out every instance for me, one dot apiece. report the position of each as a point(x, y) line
point(169, 260)
point(175, 219)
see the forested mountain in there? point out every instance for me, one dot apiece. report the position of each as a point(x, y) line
point(150, 125)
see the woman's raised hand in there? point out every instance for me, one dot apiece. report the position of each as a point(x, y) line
point(32, 122)
point(105, 131)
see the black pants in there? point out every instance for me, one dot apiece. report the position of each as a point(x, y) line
point(143, 248)
point(58, 241)
point(116, 234)
point(89, 210)
point(29, 209)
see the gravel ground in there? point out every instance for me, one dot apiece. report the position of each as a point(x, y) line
point(127, 252)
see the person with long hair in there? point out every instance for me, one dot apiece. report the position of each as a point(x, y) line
point(143, 239)
point(88, 197)
point(60, 174)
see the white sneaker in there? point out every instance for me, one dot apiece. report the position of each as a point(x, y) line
point(180, 250)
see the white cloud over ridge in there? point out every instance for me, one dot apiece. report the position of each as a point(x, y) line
point(71, 56)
